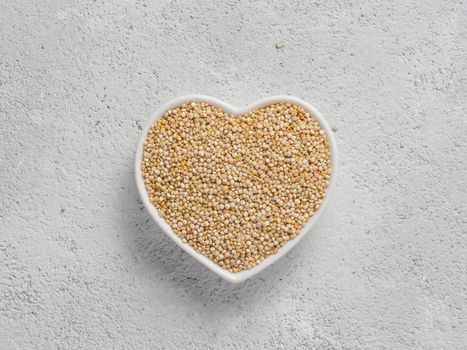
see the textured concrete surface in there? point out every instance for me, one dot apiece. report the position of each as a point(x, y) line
point(83, 266)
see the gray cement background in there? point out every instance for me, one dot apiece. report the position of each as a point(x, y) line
point(83, 267)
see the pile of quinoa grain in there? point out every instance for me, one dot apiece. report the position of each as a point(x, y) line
point(236, 188)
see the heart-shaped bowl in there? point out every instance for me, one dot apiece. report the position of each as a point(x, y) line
point(245, 274)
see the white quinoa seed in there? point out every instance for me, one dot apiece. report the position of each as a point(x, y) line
point(236, 188)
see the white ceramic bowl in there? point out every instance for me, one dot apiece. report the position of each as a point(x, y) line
point(243, 275)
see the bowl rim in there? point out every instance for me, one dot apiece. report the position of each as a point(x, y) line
point(235, 277)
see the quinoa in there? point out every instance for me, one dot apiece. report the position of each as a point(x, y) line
point(236, 188)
